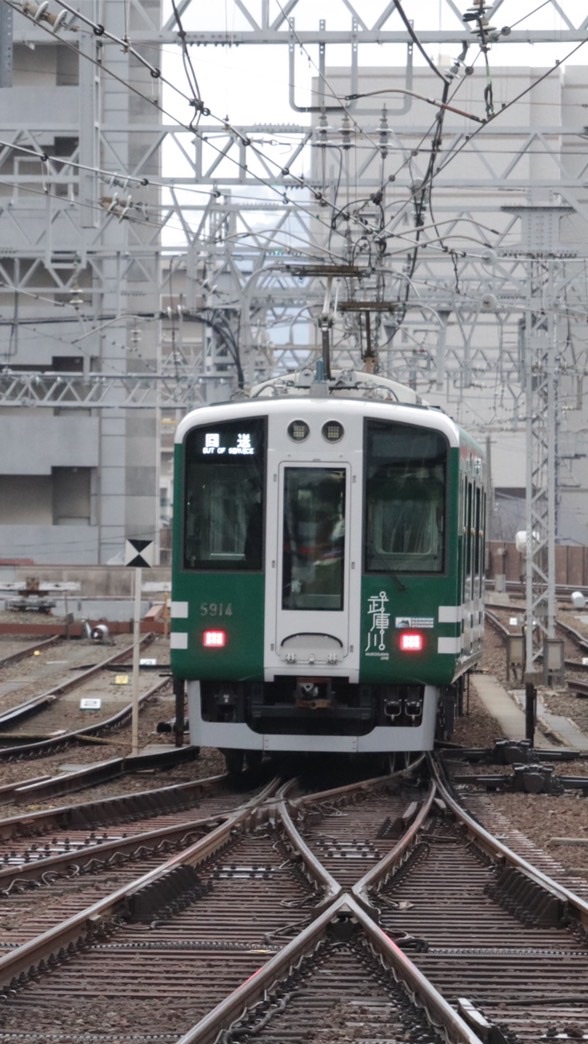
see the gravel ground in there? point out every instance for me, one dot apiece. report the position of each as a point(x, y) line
point(40, 672)
point(541, 817)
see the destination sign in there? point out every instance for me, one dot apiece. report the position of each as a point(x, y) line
point(224, 443)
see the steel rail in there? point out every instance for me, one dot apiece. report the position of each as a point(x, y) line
point(93, 775)
point(579, 687)
point(381, 870)
point(499, 852)
point(79, 816)
point(101, 852)
point(359, 786)
point(22, 654)
point(24, 710)
point(62, 739)
point(577, 636)
point(580, 639)
point(87, 924)
point(343, 908)
point(330, 885)
point(110, 809)
point(338, 903)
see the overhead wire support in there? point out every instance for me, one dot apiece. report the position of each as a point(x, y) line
point(229, 237)
point(484, 32)
point(40, 13)
point(196, 102)
point(114, 177)
point(99, 390)
point(370, 356)
point(322, 107)
point(299, 181)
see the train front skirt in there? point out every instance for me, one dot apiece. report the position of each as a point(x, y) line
point(380, 739)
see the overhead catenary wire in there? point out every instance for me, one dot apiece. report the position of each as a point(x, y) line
point(299, 181)
point(334, 198)
point(199, 108)
point(410, 30)
point(101, 30)
point(295, 203)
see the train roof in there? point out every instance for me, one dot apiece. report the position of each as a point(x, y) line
point(353, 387)
point(341, 384)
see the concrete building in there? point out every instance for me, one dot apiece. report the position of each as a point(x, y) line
point(79, 289)
point(480, 251)
point(86, 436)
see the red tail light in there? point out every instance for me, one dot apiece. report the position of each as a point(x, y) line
point(214, 639)
point(412, 641)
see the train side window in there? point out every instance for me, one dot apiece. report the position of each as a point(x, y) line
point(463, 531)
point(480, 524)
point(477, 533)
point(468, 531)
point(224, 505)
point(406, 469)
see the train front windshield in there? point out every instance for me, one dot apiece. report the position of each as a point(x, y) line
point(406, 475)
point(224, 483)
point(313, 538)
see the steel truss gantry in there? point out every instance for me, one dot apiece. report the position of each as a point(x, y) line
point(231, 212)
point(220, 158)
point(543, 350)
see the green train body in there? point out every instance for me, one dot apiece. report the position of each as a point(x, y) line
point(327, 583)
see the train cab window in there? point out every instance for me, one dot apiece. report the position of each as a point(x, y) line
point(405, 503)
point(313, 538)
point(224, 483)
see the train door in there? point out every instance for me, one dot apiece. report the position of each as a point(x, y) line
point(310, 598)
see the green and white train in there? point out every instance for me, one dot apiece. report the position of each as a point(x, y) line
point(328, 555)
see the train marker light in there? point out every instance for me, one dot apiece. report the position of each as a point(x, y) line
point(214, 639)
point(412, 641)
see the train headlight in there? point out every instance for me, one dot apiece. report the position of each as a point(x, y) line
point(332, 431)
point(214, 639)
point(411, 641)
point(298, 430)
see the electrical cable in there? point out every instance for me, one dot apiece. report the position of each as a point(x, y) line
point(163, 111)
point(199, 108)
point(409, 28)
point(300, 181)
point(245, 141)
point(431, 172)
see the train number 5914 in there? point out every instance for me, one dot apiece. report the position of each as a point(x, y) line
point(216, 609)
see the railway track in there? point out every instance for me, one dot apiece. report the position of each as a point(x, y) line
point(57, 839)
point(376, 911)
point(16, 716)
point(577, 643)
point(61, 739)
point(21, 650)
point(49, 722)
point(120, 770)
point(48, 663)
